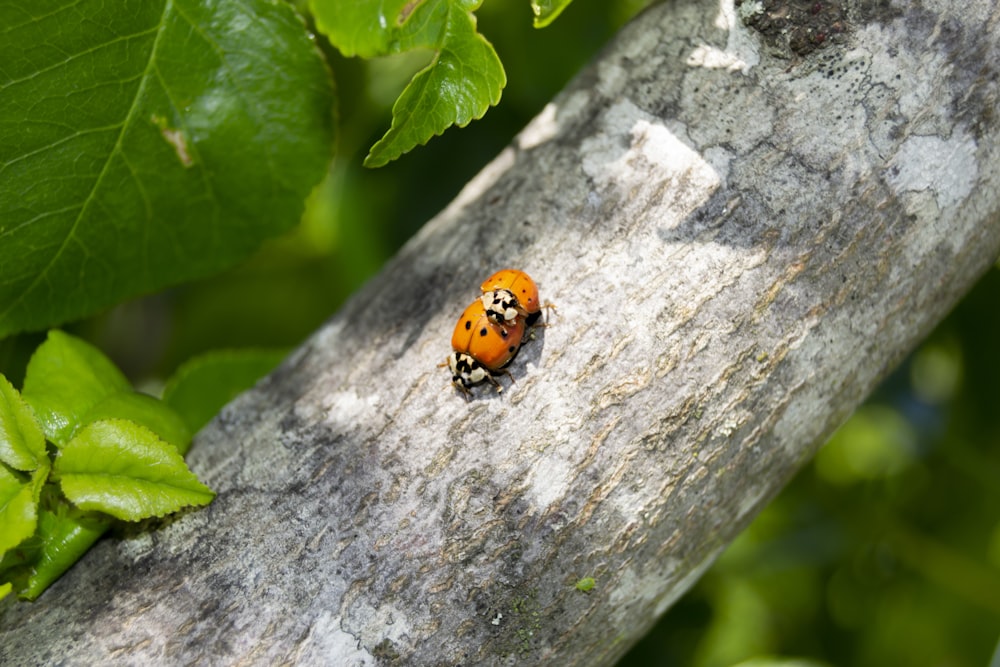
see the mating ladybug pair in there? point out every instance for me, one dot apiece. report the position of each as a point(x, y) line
point(490, 331)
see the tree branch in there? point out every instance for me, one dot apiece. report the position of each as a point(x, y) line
point(739, 245)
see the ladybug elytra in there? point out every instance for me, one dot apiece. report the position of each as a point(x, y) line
point(481, 347)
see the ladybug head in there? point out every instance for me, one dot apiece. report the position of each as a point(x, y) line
point(501, 306)
point(465, 371)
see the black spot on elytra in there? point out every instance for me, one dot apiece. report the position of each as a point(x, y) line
point(468, 324)
point(483, 331)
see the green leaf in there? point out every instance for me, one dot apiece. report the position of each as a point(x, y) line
point(125, 470)
point(70, 383)
point(66, 379)
point(204, 384)
point(363, 28)
point(147, 143)
point(65, 540)
point(22, 443)
point(150, 412)
point(64, 534)
point(19, 506)
point(4, 590)
point(546, 11)
point(462, 81)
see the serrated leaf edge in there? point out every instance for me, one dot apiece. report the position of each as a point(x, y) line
point(379, 156)
point(200, 489)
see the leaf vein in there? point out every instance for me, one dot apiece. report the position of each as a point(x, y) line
point(129, 116)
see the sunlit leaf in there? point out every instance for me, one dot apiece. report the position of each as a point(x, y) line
point(150, 412)
point(66, 378)
point(546, 11)
point(123, 469)
point(365, 28)
point(70, 383)
point(18, 506)
point(465, 76)
point(64, 534)
point(22, 443)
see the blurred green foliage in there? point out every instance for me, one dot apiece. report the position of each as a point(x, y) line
point(884, 551)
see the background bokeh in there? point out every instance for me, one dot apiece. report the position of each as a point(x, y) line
point(883, 551)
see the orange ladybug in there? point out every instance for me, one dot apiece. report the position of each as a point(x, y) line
point(481, 348)
point(510, 293)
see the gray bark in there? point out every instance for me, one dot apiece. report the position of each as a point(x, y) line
point(740, 245)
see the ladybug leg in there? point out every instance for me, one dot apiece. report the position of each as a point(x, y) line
point(492, 380)
point(502, 371)
point(546, 307)
point(465, 392)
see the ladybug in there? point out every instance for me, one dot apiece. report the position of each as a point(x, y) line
point(510, 293)
point(481, 348)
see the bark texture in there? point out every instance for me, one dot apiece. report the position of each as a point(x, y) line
point(740, 243)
